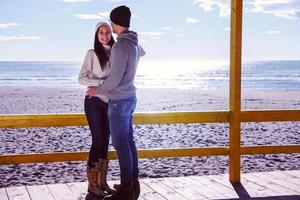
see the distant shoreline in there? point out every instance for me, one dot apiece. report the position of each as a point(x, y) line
point(184, 74)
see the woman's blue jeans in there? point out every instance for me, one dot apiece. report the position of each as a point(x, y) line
point(120, 113)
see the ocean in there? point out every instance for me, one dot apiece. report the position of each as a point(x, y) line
point(263, 75)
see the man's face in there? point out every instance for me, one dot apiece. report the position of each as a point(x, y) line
point(113, 26)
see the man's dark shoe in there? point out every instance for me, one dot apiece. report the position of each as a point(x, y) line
point(122, 193)
point(136, 187)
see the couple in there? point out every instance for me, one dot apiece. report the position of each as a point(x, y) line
point(108, 71)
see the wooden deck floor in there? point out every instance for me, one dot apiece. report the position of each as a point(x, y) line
point(267, 185)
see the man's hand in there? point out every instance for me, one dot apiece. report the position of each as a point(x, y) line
point(91, 91)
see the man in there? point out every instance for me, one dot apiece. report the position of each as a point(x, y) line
point(120, 89)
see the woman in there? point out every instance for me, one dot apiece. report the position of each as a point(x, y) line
point(93, 71)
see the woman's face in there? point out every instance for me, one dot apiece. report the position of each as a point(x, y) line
point(104, 34)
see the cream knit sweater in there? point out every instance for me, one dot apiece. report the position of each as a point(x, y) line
point(91, 73)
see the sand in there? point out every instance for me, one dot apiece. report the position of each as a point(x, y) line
point(57, 139)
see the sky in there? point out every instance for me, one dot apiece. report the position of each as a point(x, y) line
point(169, 30)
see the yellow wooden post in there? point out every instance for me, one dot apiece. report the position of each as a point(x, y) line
point(235, 90)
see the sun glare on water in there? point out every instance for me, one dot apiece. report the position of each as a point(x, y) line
point(179, 74)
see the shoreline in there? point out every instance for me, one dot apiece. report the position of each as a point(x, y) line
point(56, 139)
point(18, 100)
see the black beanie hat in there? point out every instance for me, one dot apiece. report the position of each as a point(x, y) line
point(121, 16)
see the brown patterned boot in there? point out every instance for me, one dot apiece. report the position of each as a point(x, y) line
point(102, 177)
point(93, 185)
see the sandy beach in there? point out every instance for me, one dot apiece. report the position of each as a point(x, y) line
point(56, 139)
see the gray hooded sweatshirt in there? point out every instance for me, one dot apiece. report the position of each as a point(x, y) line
point(124, 58)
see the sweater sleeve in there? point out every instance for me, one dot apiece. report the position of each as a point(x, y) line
point(85, 75)
point(118, 62)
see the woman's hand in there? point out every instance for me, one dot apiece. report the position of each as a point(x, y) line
point(91, 91)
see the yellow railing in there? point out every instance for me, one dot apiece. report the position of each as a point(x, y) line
point(40, 120)
point(234, 117)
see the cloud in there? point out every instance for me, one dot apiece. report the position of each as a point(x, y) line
point(167, 28)
point(210, 5)
point(286, 9)
point(74, 1)
point(88, 16)
point(151, 34)
point(190, 20)
point(135, 16)
point(9, 25)
point(115, 0)
point(154, 38)
point(146, 37)
point(273, 32)
point(101, 15)
point(178, 35)
point(227, 29)
point(104, 14)
point(20, 37)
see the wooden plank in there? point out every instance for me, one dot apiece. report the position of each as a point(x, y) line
point(280, 174)
point(162, 189)
point(42, 120)
point(209, 184)
point(226, 191)
point(295, 173)
point(142, 153)
point(285, 176)
point(17, 193)
point(3, 194)
point(61, 192)
point(270, 115)
point(182, 152)
point(185, 188)
point(277, 189)
point(79, 119)
point(181, 117)
point(223, 179)
point(79, 189)
point(279, 181)
point(42, 157)
point(270, 149)
point(147, 153)
point(203, 189)
point(39, 192)
point(235, 89)
point(245, 188)
point(148, 193)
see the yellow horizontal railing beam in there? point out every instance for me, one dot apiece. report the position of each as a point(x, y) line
point(285, 149)
point(42, 120)
point(147, 153)
point(270, 115)
point(181, 117)
point(79, 156)
point(50, 120)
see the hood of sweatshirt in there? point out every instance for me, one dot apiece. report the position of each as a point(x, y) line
point(130, 35)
